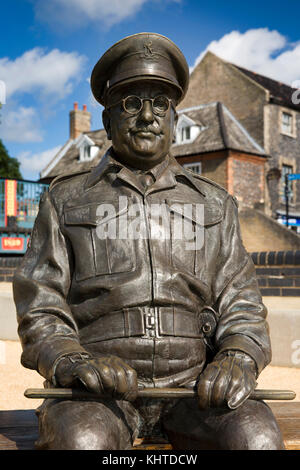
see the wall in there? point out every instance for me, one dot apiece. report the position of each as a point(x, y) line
point(7, 267)
point(214, 165)
point(246, 180)
point(262, 233)
point(278, 273)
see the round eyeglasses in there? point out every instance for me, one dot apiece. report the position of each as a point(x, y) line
point(134, 104)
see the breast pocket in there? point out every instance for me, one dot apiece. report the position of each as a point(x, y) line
point(99, 240)
point(191, 225)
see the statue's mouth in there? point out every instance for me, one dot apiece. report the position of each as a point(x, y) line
point(145, 134)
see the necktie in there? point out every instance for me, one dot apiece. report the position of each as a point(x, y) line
point(145, 179)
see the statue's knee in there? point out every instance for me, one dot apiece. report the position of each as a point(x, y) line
point(90, 439)
point(266, 441)
point(253, 427)
point(252, 439)
point(65, 426)
point(77, 438)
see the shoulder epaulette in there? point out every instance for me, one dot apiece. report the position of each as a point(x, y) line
point(66, 176)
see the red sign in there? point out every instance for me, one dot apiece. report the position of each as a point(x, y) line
point(12, 243)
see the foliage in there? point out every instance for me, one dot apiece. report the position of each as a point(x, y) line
point(9, 166)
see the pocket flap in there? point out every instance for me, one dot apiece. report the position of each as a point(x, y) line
point(211, 216)
point(95, 213)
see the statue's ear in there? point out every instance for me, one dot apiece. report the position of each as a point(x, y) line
point(106, 123)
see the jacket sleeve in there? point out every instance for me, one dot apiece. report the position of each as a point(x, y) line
point(46, 327)
point(242, 322)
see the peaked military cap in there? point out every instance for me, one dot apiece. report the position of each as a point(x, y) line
point(139, 57)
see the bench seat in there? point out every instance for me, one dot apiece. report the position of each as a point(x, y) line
point(19, 429)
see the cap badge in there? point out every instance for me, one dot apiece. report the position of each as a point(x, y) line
point(148, 52)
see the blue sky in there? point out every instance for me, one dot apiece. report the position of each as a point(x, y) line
point(48, 49)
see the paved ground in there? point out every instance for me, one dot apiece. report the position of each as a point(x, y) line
point(14, 379)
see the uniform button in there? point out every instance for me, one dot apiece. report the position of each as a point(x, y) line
point(206, 328)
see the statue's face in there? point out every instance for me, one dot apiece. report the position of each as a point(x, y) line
point(141, 133)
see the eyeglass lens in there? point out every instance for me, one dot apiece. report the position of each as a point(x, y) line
point(133, 104)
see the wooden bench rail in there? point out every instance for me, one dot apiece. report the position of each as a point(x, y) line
point(19, 428)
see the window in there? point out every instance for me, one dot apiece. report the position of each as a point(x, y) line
point(185, 134)
point(195, 167)
point(287, 123)
point(187, 130)
point(286, 170)
point(86, 152)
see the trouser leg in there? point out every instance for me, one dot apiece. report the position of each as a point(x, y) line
point(252, 426)
point(87, 425)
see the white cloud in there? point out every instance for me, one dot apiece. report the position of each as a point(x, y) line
point(20, 124)
point(31, 163)
point(45, 77)
point(261, 50)
point(51, 73)
point(76, 13)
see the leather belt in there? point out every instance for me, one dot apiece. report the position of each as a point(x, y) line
point(150, 322)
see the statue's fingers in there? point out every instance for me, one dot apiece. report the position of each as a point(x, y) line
point(219, 389)
point(125, 379)
point(128, 384)
point(66, 380)
point(240, 389)
point(205, 386)
point(108, 378)
point(89, 377)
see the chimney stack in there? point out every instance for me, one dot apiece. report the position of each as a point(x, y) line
point(80, 121)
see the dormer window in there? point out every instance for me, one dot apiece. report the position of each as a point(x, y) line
point(87, 148)
point(86, 152)
point(185, 134)
point(187, 130)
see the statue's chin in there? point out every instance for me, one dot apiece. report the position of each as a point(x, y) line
point(144, 145)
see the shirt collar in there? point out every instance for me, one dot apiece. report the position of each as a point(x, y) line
point(164, 173)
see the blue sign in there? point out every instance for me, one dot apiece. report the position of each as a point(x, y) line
point(294, 176)
point(293, 221)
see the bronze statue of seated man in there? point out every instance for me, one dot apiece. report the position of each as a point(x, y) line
point(111, 294)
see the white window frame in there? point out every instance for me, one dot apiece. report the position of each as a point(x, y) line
point(184, 130)
point(192, 165)
point(87, 148)
point(292, 130)
point(184, 123)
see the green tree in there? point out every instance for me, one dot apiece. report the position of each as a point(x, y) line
point(9, 166)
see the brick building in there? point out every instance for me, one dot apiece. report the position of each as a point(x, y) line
point(265, 108)
point(212, 142)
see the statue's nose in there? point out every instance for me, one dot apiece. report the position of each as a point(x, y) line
point(146, 113)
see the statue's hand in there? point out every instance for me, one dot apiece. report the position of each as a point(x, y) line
point(227, 381)
point(104, 375)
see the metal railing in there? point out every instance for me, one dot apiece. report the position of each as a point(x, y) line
point(19, 202)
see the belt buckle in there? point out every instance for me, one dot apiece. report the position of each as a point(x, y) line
point(151, 322)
